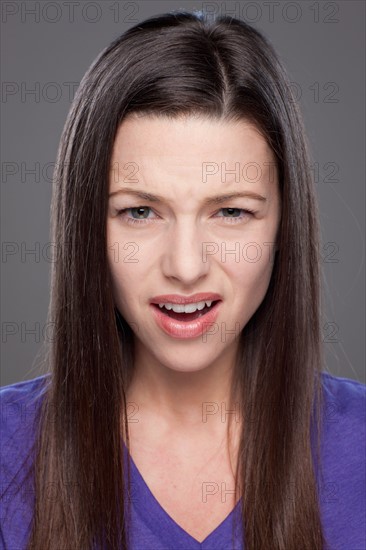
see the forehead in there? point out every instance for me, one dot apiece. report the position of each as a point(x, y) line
point(190, 148)
point(188, 135)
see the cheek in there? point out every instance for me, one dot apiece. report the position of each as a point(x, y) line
point(126, 282)
point(124, 274)
point(250, 276)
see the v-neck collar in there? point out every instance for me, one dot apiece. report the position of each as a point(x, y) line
point(163, 525)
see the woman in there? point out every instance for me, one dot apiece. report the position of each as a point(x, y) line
point(186, 403)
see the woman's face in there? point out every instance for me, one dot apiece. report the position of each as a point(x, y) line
point(178, 235)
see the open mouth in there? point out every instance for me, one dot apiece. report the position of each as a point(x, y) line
point(186, 317)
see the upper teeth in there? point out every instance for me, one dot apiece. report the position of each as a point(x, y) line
point(186, 308)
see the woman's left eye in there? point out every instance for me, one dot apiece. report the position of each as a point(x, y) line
point(234, 218)
point(233, 214)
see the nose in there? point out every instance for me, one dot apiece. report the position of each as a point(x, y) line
point(183, 257)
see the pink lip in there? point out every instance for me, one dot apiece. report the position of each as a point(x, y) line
point(179, 299)
point(185, 329)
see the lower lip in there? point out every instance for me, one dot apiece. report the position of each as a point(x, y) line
point(185, 329)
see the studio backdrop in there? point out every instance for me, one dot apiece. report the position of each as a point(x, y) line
point(46, 47)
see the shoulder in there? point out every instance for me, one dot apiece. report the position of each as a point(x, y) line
point(345, 385)
point(344, 398)
point(343, 480)
point(19, 404)
point(344, 415)
point(24, 389)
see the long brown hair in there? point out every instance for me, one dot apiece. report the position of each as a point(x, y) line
point(172, 65)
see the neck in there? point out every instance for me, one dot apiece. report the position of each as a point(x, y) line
point(197, 402)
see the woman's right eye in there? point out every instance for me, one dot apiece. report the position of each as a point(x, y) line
point(122, 214)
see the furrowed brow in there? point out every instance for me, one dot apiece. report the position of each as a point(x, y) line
point(207, 202)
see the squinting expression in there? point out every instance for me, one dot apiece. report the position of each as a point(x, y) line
point(194, 207)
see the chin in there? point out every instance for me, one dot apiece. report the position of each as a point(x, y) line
point(187, 362)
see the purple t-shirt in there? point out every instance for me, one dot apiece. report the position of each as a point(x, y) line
point(342, 493)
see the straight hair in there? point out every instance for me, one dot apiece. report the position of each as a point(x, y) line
point(178, 64)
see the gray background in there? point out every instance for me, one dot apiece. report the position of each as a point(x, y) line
point(47, 47)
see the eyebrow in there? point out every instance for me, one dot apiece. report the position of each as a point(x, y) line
point(218, 199)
